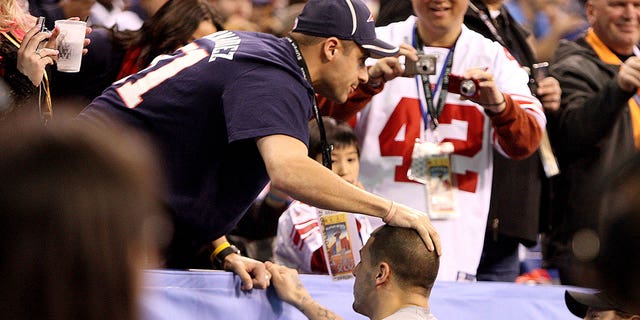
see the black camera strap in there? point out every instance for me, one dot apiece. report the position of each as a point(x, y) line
point(489, 23)
point(434, 111)
point(326, 148)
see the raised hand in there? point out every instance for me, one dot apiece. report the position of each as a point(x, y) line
point(32, 59)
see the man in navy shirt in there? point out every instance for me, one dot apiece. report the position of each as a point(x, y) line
point(229, 112)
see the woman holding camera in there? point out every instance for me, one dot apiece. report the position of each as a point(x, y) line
point(116, 54)
point(23, 59)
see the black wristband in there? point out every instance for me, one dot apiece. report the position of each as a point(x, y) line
point(218, 260)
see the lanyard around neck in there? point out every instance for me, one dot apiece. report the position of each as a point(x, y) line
point(326, 148)
point(434, 112)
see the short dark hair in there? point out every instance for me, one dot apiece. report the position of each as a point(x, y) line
point(407, 256)
point(77, 209)
point(309, 40)
point(305, 39)
point(339, 135)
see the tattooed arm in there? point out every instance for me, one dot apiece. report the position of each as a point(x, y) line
point(290, 289)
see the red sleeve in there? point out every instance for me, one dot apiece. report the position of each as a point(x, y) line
point(356, 102)
point(517, 131)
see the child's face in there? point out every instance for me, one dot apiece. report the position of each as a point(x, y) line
point(344, 162)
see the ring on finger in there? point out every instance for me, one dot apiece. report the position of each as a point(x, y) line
point(38, 52)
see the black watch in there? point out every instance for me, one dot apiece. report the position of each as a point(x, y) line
point(218, 260)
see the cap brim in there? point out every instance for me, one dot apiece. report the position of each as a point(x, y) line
point(579, 302)
point(378, 48)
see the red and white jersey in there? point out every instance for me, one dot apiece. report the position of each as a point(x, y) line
point(299, 239)
point(389, 125)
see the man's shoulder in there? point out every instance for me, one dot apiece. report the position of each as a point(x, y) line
point(248, 46)
point(412, 313)
point(576, 55)
point(573, 48)
point(469, 34)
point(476, 42)
point(397, 32)
point(256, 51)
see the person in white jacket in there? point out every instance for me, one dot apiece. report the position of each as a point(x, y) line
point(502, 116)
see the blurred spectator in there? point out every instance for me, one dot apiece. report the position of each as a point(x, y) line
point(618, 262)
point(6, 102)
point(54, 10)
point(596, 306)
point(393, 11)
point(236, 14)
point(548, 21)
point(23, 60)
point(146, 8)
point(117, 54)
point(299, 241)
point(79, 220)
point(264, 15)
point(288, 13)
point(114, 13)
point(597, 128)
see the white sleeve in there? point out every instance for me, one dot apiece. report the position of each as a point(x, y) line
point(298, 237)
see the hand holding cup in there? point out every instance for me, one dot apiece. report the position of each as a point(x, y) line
point(70, 43)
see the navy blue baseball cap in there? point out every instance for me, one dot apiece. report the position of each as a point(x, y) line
point(580, 302)
point(343, 19)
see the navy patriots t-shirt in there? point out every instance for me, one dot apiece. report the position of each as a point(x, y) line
point(204, 106)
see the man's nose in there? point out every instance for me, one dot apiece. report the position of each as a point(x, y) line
point(363, 75)
point(630, 10)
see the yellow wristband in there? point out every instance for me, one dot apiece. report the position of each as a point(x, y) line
point(219, 248)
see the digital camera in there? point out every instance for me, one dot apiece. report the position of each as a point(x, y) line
point(43, 28)
point(468, 88)
point(426, 65)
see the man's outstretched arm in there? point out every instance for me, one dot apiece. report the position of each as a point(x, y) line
point(304, 179)
point(290, 289)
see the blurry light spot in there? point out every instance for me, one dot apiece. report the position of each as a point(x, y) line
point(585, 245)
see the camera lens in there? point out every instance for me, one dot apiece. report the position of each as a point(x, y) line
point(468, 88)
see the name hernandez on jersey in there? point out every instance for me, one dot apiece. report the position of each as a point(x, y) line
point(390, 124)
point(225, 44)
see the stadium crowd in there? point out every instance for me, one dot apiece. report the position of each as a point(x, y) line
point(280, 137)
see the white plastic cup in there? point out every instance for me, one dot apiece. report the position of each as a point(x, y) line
point(70, 43)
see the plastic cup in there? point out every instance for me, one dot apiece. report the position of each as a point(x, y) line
point(70, 43)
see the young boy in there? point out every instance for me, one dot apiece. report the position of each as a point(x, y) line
point(299, 239)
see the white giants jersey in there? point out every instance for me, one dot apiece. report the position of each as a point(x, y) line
point(390, 124)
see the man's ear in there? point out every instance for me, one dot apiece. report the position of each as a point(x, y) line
point(384, 274)
point(589, 12)
point(330, 48)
